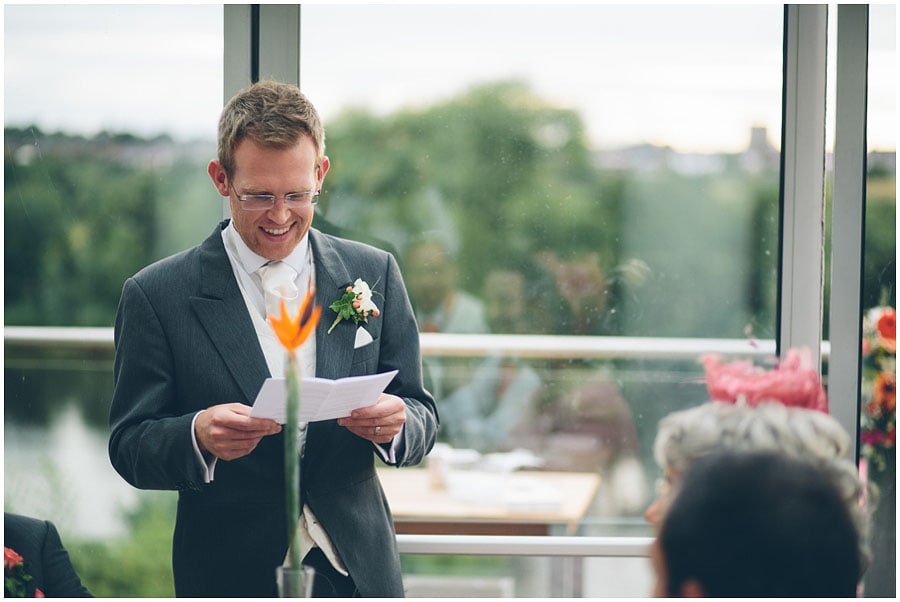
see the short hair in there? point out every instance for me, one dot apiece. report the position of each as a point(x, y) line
point(759, 524)
point(686, 436)
point(271, 114)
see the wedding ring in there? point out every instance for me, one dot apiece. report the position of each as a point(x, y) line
point(377, 430)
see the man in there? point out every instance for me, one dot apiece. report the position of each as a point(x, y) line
point(193, 349)
point(756, 525)
point(441, 306)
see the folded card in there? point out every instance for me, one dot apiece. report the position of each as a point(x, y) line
point(321, 398)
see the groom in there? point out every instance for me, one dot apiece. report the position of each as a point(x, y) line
point(193, 349)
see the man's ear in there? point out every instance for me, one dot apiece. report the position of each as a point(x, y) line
point(692, 589)
point(321, 170)
point(217, 175)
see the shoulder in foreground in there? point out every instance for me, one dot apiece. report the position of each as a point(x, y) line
point(20, 522)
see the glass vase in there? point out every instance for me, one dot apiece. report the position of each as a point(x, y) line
point(294, 582)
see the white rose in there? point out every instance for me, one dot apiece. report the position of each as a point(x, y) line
point(361, 288)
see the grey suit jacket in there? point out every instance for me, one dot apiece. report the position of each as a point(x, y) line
point(184, 342)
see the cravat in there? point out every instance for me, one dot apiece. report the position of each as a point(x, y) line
point(278, 284)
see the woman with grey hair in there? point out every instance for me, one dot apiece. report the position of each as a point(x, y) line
point(757, 410)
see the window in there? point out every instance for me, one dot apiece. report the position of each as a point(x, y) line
point(110, 117)
point(544, 188)
point(588, 178)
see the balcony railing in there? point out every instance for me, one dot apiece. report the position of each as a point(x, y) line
point(456, 345)
point(466, 345)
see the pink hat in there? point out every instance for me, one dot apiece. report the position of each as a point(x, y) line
point(793, 382)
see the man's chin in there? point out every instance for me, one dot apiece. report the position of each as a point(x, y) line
point(276, 252)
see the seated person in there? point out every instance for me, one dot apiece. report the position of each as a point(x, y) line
point(37, 546)
point(497, 405)
point(756, 524)
point(781, 410)
point(593, 430)
point(441, 305)
point(434, 289)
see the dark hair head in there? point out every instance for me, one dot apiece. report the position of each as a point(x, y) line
point(758, 524)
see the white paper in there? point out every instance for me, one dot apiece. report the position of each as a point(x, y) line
point(320, 398)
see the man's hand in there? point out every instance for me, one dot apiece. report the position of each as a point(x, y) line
point(378, 423)
point(227, 431)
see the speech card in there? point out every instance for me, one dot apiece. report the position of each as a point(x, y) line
point(320, 398)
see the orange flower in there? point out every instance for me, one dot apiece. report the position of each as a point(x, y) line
point(885, 392)
point(293, 332)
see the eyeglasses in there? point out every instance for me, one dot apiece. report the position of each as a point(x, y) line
point(264, 202)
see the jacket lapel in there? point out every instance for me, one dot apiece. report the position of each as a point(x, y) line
point(221, 309)
point(334, 352)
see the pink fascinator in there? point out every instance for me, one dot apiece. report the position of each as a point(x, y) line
point(793, 382)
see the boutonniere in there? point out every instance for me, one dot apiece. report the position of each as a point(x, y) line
point(16, 582)
point(355, 304)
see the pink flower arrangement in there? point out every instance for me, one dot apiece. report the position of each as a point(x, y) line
point(793, 382)
point(878, 419)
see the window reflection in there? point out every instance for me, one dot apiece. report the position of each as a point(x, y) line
point(522, 207)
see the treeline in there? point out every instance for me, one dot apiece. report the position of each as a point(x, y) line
point(503, 177)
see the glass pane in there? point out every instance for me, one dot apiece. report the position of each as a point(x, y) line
point(562, 171)
point(110, 120)
point(879, 299)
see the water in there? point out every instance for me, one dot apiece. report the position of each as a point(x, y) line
point(61, 472)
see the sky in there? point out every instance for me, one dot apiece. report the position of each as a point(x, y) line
point(693, 77)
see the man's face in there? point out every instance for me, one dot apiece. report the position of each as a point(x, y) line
point(504, 301)
point(429, 274)
point(275, 232)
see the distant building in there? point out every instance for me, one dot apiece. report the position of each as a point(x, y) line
point(886, 161)
point(760, 156)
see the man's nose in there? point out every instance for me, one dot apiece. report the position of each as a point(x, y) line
point(280, 212)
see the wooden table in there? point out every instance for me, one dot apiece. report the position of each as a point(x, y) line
point(483, 503)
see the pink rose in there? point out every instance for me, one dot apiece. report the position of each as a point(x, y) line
point(10, 558)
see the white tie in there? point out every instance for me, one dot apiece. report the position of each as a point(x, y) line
point(278, 284)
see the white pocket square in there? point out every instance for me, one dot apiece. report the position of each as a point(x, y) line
point(362, 338)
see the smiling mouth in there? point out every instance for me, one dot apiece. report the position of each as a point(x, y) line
point(276, 231)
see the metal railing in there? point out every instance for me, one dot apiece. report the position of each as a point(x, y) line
point(525, 545)
point(457, 345)
point(466, 345)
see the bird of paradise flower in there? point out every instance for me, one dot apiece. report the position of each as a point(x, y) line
point(292, 332)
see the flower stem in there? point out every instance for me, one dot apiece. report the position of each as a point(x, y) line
point(335, 323)
point(292, 458)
